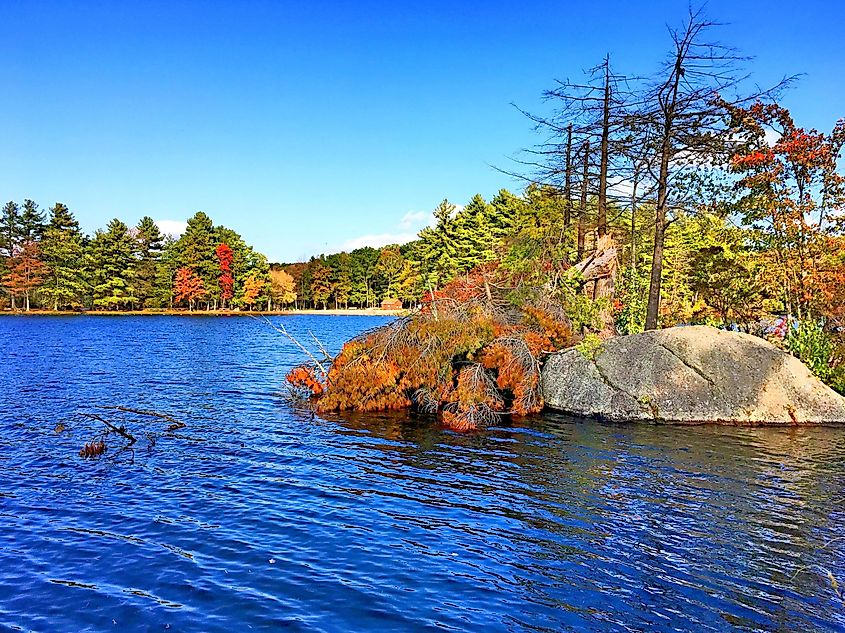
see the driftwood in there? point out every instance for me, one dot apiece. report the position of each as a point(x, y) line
point(120, 430)
point(97, 447)
point(174, 423)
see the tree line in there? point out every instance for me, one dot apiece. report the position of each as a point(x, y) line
point(48, 262)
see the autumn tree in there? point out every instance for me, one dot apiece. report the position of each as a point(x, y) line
point(792, 196)
point(188, 287)
point(253, 288)
point(320, 282)
point(226, 281)
point(282, 287)
point(389, 268)
point(26, 271)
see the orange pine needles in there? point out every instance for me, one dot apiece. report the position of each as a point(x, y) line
point(470, 354)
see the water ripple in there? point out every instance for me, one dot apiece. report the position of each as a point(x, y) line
point(255, 516)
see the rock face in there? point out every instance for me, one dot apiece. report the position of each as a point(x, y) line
point(689, 375)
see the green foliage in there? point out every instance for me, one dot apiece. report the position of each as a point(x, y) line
point(149, 250)
point(632, 294)
point(62, 250)
point(110, 267)
point(590, 346)
point(810, 343)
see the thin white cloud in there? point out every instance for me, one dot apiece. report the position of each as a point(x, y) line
point(376, 241)
point(174, 228)
point(416, 219)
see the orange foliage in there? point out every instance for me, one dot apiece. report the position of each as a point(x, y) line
point(303, 378)
point(469, 354)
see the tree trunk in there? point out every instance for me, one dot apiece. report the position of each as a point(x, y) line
point(567, 184)
point(582, 209)
point(653, 309)
point(605, 139)
point(634, 219)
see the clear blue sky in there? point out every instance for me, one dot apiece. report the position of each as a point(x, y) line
point(308, 126)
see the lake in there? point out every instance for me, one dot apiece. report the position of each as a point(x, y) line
point(257, 516)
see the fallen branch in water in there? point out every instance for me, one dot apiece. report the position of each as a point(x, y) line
point(824, 571)
point(174, 423)
point(120, 430)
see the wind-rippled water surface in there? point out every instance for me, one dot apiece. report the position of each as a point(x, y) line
point(254, 516)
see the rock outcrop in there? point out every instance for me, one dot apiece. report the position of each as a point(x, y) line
point(689, 375)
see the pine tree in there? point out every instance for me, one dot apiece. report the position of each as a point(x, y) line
point(149, 248)
point(474, 239)
point(436, 252)
point(62, 252)
point(196, 251)
point(10, 228)
point(9, 238)
point(111, 267)
point(32, 222)
point(165, 271)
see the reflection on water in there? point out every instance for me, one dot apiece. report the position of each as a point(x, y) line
point(257, 516)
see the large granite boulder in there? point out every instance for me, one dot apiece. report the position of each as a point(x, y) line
point(689, 375)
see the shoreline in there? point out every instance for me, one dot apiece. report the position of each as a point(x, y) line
point(203, 313)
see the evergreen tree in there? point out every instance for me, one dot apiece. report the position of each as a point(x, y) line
point(32, 222)
point(197, 251)
point(437, 248)
point(111, 267)
point(505, 208)
point(62, 252)
point(474, 239)
point(10, 228)
point(9, 237)
point(150, 244)
point(166, 268)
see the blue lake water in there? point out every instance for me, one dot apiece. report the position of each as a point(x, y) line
point(256, 517)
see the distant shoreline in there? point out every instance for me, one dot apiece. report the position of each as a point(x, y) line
point(201, 313)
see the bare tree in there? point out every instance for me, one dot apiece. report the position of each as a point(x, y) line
point(684, 110)
point(591, 114)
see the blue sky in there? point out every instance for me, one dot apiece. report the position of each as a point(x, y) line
point(313, 126)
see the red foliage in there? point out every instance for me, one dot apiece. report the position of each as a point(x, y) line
point(226, 280)
point(797, 197)
point(303, 378)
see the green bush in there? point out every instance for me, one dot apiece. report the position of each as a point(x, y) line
point(815, 347)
